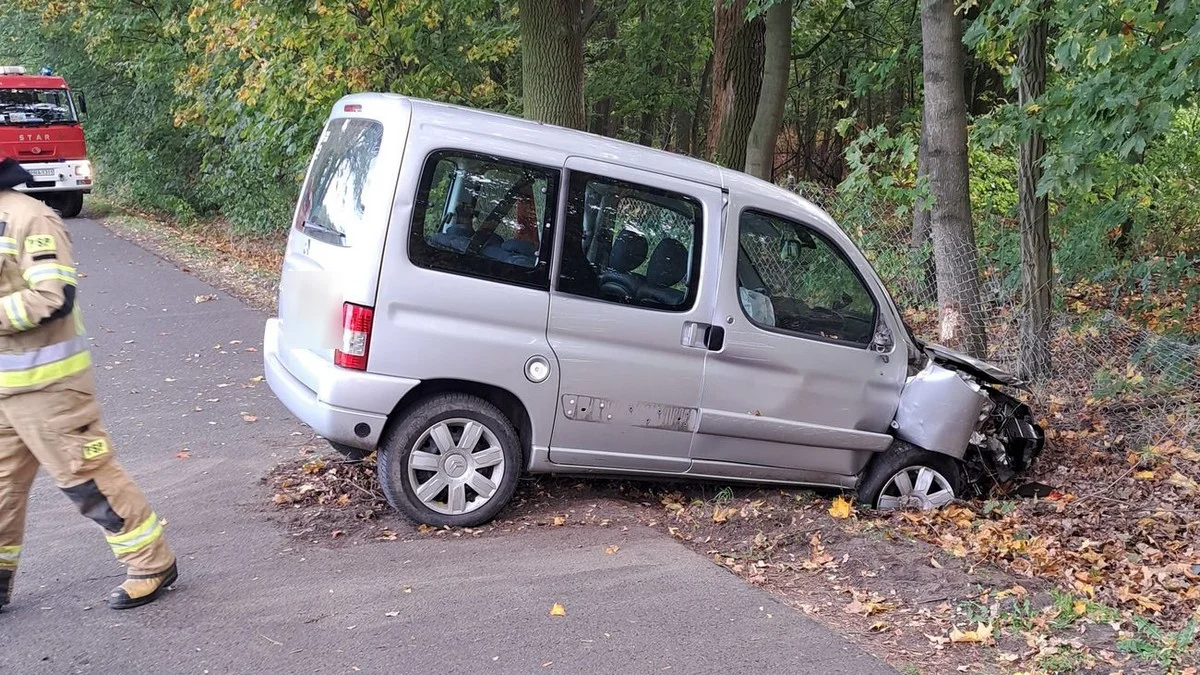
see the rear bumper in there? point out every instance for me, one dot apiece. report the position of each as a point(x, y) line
point(60, 176)
point(333, 410)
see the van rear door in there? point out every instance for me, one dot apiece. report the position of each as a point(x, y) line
point(335, 247)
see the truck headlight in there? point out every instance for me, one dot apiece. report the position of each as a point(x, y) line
point(83, 170)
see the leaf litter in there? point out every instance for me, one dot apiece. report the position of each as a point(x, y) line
point(1103, 574)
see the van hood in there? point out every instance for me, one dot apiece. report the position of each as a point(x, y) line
point(969, 364)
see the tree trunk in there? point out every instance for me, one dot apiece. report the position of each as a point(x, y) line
point(552, 61)
point(777, 60)
point(1034, 210)
point(682, 117)
point(959, 308)
point(924, 278)
point(737, 79)
point(601, 121)
point(703, 109)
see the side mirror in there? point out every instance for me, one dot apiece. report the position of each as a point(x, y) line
point(82, 102)
point(789, 250)
point(883, 341)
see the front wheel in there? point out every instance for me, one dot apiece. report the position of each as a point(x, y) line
point(453, 460)
point(70, 204)
point(906, 476)
point(65, 204)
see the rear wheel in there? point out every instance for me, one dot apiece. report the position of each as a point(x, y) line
point(65, 204)
point(906, 476)
point(453, 459)
point(71, 203)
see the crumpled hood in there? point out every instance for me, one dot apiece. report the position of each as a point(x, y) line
point(12, 175)
point(969, 364)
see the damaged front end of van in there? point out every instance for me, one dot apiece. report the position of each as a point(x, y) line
point(955, 405)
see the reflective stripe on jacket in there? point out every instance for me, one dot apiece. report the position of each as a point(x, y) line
point(41, 334)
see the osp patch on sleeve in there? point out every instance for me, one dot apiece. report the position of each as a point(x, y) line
point(40, 243)
point(94, 449)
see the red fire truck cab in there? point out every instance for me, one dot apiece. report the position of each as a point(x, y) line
point(39, 127)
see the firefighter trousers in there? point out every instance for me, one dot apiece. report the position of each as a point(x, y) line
point(59, 428)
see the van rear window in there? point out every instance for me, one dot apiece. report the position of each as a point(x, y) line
point(334, 203)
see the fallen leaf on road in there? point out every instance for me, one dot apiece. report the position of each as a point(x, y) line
point(879, 626)
point(981, 634)
point(247, 417)
point(840, 508)
point(1144, 475)
point(343, 500)
point(560, 520)
point(386, 535)
point(610, 550)
point(558, 610)
point(182, 454)
point(205, 298)
point(258, 378)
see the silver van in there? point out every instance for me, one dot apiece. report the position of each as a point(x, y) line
point(476, 296)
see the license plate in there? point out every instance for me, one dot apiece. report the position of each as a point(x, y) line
point(37, 173)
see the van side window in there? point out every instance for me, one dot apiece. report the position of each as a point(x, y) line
point(631, 244)
point(793, 279)
point(485, 217)
point(337, 198)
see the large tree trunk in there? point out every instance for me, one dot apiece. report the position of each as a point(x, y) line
point(552, 61)
point(777, 60)
point(737, 79)
point(1034, 210)
point(960, 313)
point(601, 121)
point(924, 278)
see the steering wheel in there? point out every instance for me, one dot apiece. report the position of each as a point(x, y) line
point(828, 317)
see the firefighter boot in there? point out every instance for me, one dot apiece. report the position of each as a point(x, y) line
point(6, 584)
point(142, 589)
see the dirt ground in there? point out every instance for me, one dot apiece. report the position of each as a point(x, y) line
point(914, 604)
point(1103, 576)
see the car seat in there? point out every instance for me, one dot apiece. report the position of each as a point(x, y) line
point(668, 266)
point(619, 281)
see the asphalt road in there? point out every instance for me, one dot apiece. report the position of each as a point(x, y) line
point(250, 600)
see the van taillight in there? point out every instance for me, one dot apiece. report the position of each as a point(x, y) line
point(356, 337)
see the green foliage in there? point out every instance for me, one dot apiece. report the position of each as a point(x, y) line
point(1155, 644)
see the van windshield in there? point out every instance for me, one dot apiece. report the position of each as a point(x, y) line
point(335, 202)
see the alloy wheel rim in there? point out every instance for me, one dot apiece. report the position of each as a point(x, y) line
point(456, 466)
point(918, 487)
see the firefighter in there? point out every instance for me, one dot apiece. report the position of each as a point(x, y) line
point(48, 410)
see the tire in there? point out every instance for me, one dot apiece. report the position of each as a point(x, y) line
point(70, 204)
point(875, 488)
point(430, 436)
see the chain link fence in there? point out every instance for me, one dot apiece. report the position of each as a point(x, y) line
point(1115, 380)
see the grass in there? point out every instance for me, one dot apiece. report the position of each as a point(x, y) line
point(1066, 660)
point(1165, 648)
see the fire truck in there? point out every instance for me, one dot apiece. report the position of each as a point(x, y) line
point(39, 127)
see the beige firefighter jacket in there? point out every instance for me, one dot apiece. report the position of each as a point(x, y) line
point(41, 335)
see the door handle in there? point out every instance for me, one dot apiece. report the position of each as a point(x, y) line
point(714, 338)
point(703, 336)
